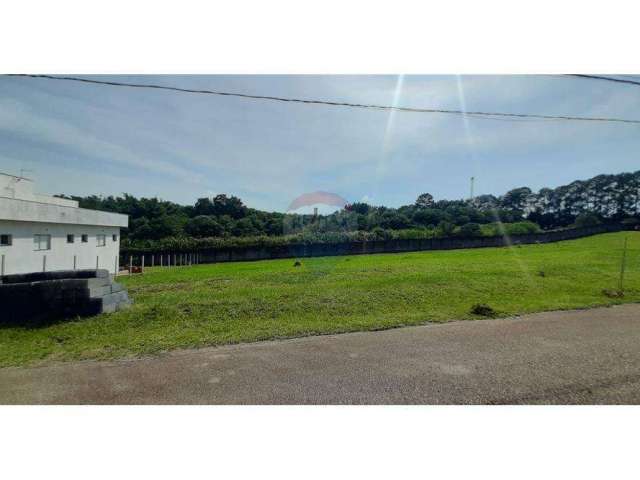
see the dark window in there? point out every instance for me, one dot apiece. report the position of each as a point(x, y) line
point(85, 238)
point(5, 240)
point(71, 238)
point(114, 237)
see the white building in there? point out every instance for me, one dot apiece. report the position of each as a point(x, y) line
point(43, 233)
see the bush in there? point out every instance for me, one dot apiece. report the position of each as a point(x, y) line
point(445, 229)
point(522, 228)
point(588, 219)
point(470, 230)
point(483, 310)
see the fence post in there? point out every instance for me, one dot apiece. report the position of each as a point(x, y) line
point(130, 264)
point(161, 260)
point(153, 260)
point(142, 265)
point(75, 261)
point(97, 262)
point(115, 267)
point(2, 266)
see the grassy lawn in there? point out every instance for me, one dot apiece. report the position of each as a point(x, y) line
point(244, 302)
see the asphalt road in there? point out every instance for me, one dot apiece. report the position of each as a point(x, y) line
point(576, 357)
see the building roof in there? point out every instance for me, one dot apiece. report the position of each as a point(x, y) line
point(18, 202)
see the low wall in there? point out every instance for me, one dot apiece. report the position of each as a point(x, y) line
point(41, 298)
point(239, 254)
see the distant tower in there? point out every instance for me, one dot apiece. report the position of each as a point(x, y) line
point(473, 179)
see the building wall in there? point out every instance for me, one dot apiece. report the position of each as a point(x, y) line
point(21, 256)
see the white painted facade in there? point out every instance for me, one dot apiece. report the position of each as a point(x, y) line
point(44, 233)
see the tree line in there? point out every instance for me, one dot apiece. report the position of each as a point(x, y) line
point(605, 198)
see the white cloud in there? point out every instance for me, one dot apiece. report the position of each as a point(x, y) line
point(18, 118)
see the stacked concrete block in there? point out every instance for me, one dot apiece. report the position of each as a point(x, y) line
point(38, 298)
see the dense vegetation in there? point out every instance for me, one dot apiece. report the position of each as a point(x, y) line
point(225, 221)
point(241, 302)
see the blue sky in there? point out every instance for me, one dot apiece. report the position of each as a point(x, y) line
point(89, 139)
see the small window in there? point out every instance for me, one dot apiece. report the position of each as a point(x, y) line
point(42, 242)
point(101, 240)
point(5, 240)
point(85, 238)
point(114, 237)
point(71, 238)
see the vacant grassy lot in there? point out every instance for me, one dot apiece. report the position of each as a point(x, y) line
point(244, 302)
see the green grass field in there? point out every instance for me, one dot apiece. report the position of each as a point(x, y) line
point(244, 302)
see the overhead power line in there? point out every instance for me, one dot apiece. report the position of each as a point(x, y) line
point(608, 79)
point(474, 114)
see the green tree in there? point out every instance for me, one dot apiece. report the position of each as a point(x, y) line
point(428, 216)
point(203, 206)
point(358, 207)
point(203, 226)
point(229, 205)
point(244, 227)
point(515, 199)
point(424, 201)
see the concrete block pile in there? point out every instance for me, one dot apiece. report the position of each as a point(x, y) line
point(41, 298)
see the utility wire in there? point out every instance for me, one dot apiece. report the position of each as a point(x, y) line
point(608, 79)
point(514, 116)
